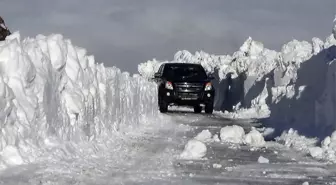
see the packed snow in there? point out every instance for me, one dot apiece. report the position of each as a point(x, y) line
point(232, 134)
point(262, 159)
point(54, 95)
point(293, 139)
point(255, 138)
point(194, 149)
point(217, 166)
point(204, 136)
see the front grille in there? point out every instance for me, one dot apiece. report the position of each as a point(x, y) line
point(188, 96)
point(189, 87)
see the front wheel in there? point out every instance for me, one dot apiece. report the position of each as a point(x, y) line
point(163, 106)
point(197, 109)
point(209, 108)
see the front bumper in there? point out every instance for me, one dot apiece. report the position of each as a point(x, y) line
point(187, 98)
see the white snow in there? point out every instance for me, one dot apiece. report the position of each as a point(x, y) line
point(255, 138)
point(276, 85)
point(327, 151)
point(217, 166)
point(215, 138)
point(266, 131)
point(293, 139)
point(232, 134)
point(262, 160)
point(243, 113)
point(53, 93)
point(194, 149)
point(316, 152)
point(205, 136)
point(334, 29)
point(11, 156)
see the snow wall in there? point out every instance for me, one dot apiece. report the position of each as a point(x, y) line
point(294, 88)
point(52, 92)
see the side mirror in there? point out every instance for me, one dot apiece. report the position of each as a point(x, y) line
point(211, 77)
point(157, 75)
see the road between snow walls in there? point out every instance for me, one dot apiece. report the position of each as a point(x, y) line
point(292, 92)
point(55, 99)
point(56, 103)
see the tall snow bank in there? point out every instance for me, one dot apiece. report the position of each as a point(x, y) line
point(334, 29)
point(51, 90)
point(294, 87)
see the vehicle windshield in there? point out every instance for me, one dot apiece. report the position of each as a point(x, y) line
point(185, 72)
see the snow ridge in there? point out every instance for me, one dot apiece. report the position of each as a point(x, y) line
point(293, 88)
point(52, 92)
point(269, 82)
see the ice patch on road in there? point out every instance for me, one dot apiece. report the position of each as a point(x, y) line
point(194, 149)
point(232, 134)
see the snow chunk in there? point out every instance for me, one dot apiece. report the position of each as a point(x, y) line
point(149, 68)
point(316, 152)
point(11, 156)
point(232, 134)
point(255, 138)
point(194, 149)
point(217, 166)
point(204, 136)
point(305, 183)
point(216, 138)
point(291, 138)
point(262, 159)
point(268, 131)
point(317, 45)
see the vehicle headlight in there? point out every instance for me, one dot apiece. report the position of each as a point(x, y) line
point(208, 86)
point(169, 85)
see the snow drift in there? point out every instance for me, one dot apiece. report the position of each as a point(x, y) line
point(293, 88)
point(53, 92)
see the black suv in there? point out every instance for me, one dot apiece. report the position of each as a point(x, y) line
point(184, 84)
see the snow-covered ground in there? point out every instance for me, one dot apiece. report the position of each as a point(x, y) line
point(153, 155)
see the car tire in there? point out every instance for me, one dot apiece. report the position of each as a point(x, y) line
point(197, 109)
point(209, 108)
point(163, 106)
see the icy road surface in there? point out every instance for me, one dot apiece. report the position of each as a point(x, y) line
point(151, 156)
